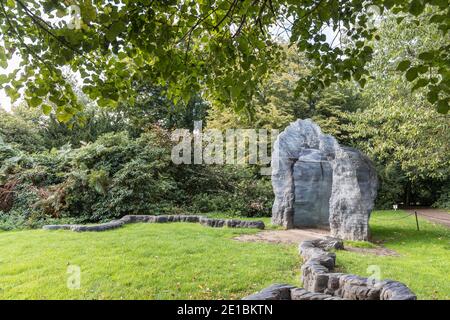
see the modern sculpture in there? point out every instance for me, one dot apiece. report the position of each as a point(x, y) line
point(318, 183)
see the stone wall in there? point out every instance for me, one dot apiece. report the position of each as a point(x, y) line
point(210, 222)
point(320, 282)
point(287, 292)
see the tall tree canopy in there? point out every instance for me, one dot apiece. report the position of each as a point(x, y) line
point(223, 48)
point(275, 103)
point(408, 141)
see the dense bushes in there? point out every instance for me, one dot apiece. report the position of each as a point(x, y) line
point(444, 199)
point(118, 175)
point(247, 194)
point(20, 133)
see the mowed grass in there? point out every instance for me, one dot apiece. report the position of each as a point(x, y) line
point(189, 261)
point(424, 261)
point(141, 261)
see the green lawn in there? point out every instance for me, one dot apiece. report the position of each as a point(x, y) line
point(189, 261)
point(141, 261)
point(424, 261)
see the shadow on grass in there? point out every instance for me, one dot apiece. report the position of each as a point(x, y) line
point(387, 228)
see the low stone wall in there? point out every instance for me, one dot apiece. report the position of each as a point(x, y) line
point(321, 283)
point(210, 222)
point(287, 292)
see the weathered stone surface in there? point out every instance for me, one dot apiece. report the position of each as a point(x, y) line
point(99, 227)
point(318, 276)
point(318, 183)
point(317, 251)
point(210, 222)
point(288, 292)
point(329, 243)
point(353, 194)
point(320, 283)
point(314, 276)
point(302, 294)
point(313, 177)
point(393, 290)
point(58, 227)
point(274, 292)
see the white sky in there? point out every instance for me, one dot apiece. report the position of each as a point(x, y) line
point(13, 64)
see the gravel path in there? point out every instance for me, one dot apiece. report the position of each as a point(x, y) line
point(433, 215)
point(296, 236)
point(284, 236)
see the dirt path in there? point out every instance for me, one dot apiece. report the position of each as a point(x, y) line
point(284, 236)
point(433, 215)
point(295, 236)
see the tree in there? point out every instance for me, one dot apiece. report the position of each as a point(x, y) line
point(153, 106)
point(222, 47)
point(277, 103)
point(30, 130)
point(23, 133)
point(397, 128)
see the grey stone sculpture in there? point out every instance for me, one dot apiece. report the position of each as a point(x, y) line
point(318, 183)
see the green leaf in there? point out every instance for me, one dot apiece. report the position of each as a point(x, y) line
point(46, 109)
point(442, 106)
point(3, 63)
point(362, 82)
point(389, 3)
point(122, 55)
point(61, 13)
point(419, 84)
point(400, 19)
point(12, 93)
point(427, 56)
point(104, 102)
point(11, 4)
point(441, 3)
point(423, 69)
point(3, 79)
point(235, 90)
point(411, 74)
point(437, 18)
point(114, 30)
point(34, 102)
point(432, 96)
point(403, 65)
point(416, 7)
point(88, 12)
point(63, 117)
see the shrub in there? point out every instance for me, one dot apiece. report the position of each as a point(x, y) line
point(235, 190)
point(443, 202)
point(118, 175)
point(19, 132)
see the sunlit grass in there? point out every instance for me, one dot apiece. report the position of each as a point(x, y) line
point(360, 244)
point(190, 261)
point(424, 261)
point(142, 261)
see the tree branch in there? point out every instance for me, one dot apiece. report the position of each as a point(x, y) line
point(230, 10)
point(197, 23)
point(27, 47)
point(37, 20)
